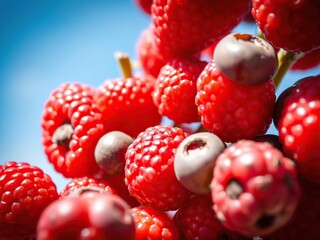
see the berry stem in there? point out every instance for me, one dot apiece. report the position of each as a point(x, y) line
point(125, 64)
point(286, 60)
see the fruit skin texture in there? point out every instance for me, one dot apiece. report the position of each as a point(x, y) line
point(176, 88)
point(72, 103)
point(124, 101)
point(25, 191)
point(179, 34)
point(291, 25)
point(230, 110)
point(153, 224)
point(149, 168)
point(299, 125)
point(254, 188)
point(196, 219)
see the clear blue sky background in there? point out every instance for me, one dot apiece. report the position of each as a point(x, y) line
point(44, 43)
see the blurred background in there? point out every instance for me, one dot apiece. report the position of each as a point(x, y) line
point(44, 43)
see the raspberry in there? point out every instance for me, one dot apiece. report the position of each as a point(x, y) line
point(254, 188)
point(307, 61)
point(25, 191)
point(144, 5)
point(196, 219)
point(305, 221)
point(124, 100)
point(175, 90)
point(71, 127)
point(153, 224)
point(86, 182)
point(149, 171)
point(148, 54)
point(231, 110)
point(299, 124)
point(184, 28)
point(291, 25)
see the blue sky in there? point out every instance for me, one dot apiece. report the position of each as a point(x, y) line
point(46, 43)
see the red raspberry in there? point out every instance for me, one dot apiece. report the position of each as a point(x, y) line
point(149, 170)
point(25, 191)
point(254, 188)
point(307, 61)
point(299, 124)
point(153, 224)
point(292, 25)
point(184, 28)
point(144, 5)
point(86, 182)
point(196, 219)
point(305, 222)
point(148, 54)
point(71, 127)
point(176, 89)
point(233, 111)
point(127, 105)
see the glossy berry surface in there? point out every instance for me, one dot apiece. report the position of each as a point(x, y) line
point(25, 191)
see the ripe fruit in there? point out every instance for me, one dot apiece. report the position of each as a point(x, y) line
point(231, 110)
point(299, 124)
point(307, 61)
point(153, 224)
point(91, 215)
point(195, 159)
point(25, 191)
point(149, 168)
point(175, 90)
point(71, 126)
point(245, 58)
point(254, 188)
point(291, 25)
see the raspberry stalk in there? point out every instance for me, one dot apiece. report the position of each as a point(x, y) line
point(125, 64)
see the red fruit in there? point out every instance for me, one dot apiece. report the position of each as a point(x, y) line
point(231, 110)
point(307, 61)
point(148, 54)
point(25, 191)
point(196, 219)
point(291, 25)
point(305, 222)
point(176, 88)
point(299, 124)
point(254, 188)
point(86, 183)
point(127, 105)
point(153, 224)
point(184, 28)
point(71, 127)
point(149, 170)
point(89, 216)
point(144, 5)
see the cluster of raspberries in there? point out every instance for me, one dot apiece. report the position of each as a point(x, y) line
point(181, 151)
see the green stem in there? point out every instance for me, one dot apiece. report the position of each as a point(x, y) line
point(286, 60)
point(125, 64)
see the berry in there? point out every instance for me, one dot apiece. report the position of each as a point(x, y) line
point(71, 126)
point(90, 215)
point(196, 219)
point(153, 224)
point(149, 168)
point(25, 191)
point(110, 151)
point(307, 61)
point(270, 138)
point(195, 159)
point(86, 183)
point(144, 5)
point(231, 110)
point(123, 101)
point(245, 58)
point(148, 53)
point(175, 90)
point(299, 124)
point(254, 188)
point(291, 25)
point(178, 34)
